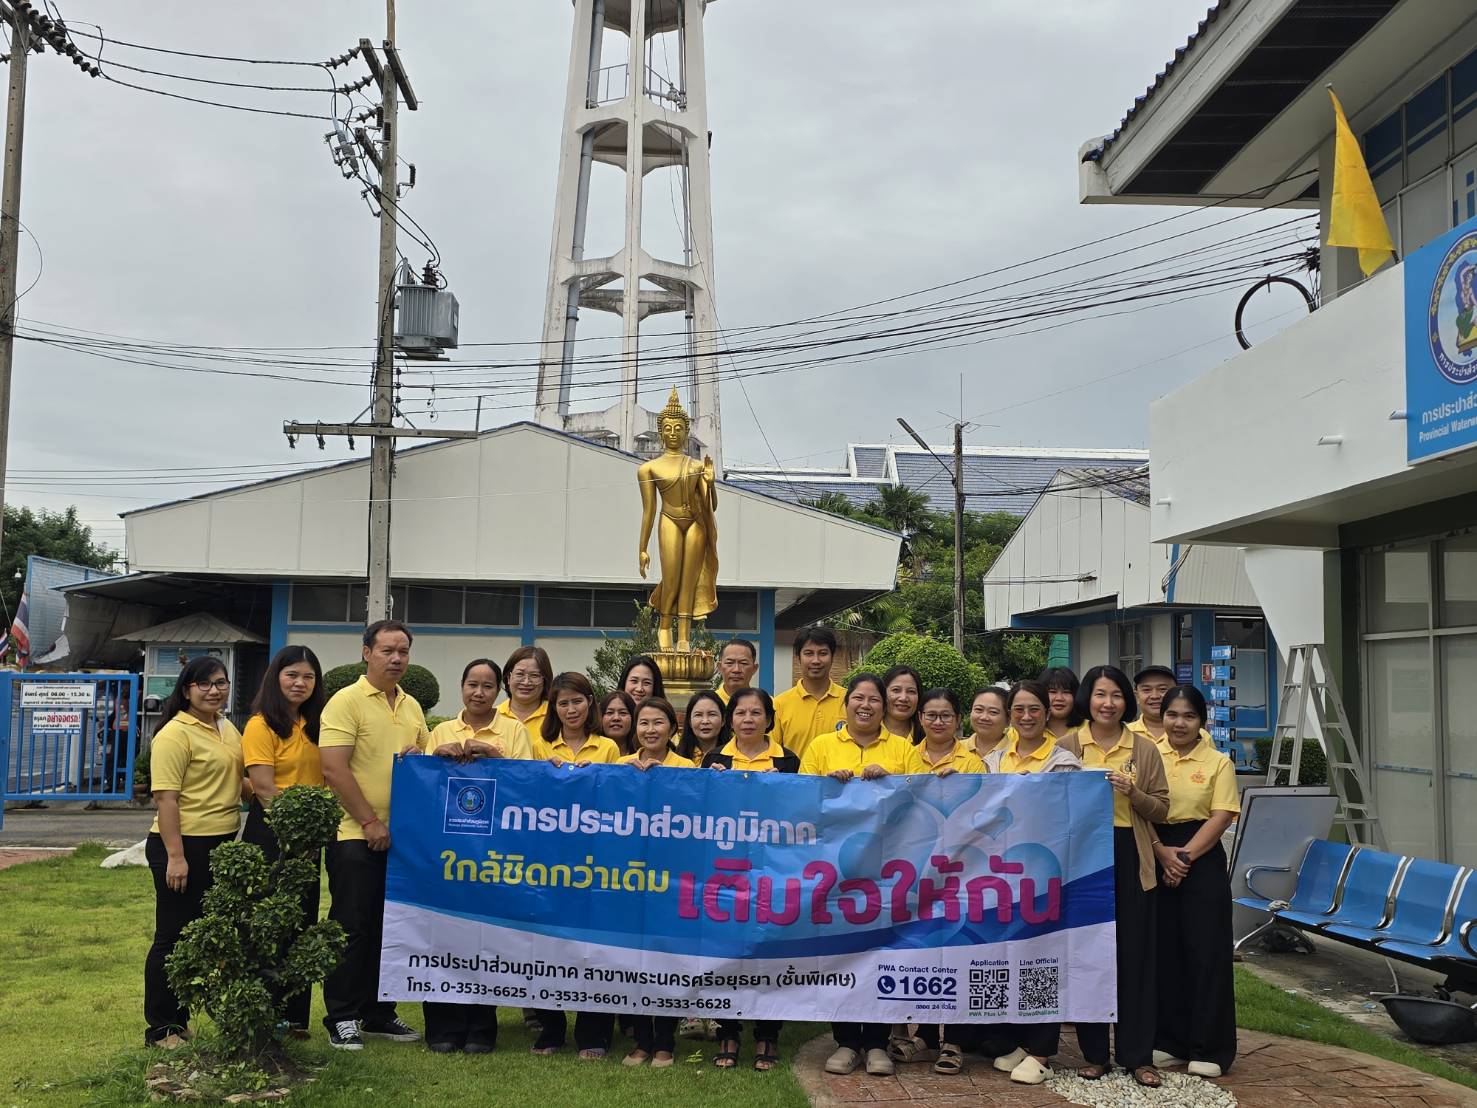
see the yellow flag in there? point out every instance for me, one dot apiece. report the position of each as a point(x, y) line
point(1354, 216)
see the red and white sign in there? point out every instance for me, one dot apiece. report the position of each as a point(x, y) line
point(53, 719)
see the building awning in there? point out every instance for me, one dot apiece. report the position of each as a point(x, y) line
point(1238, 113)
point(199, 628)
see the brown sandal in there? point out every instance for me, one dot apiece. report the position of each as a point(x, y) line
point(1093, 1072)
point(1148, 1077)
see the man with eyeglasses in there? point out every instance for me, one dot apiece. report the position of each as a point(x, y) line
point(363, 727)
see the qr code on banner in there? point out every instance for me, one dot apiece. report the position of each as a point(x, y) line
point(989, 990)
point(1039, 989)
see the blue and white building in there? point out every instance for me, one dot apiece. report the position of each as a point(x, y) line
point(524, 535)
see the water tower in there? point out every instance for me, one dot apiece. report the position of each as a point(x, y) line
point(638, 116)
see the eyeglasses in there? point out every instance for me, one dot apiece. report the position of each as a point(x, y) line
point(218, 683)
point(937, 717)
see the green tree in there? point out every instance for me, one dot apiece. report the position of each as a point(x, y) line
point(59, 535)
point(418, 681)
point(604, 670)
point(837, 503)
point(903, 510)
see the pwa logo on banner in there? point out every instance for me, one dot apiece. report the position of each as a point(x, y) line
point(1441, 345)
point(469, 806)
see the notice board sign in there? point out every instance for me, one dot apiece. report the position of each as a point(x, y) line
point(1441, 345)
point(58, 694)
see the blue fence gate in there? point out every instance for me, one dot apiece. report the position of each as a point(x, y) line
point(68, 736)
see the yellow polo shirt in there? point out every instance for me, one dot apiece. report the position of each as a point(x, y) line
point(1201, 781)
point(503, 731)
point(961, 760)
point(1138, 727)
point(838, 750)
point(294, 760)
point(673, 760)
point(761, 762)
point(203, 765)
point(360, 718)
point(800, 717)
point(1014, 762)
point(597, 748)
point(973, 743)
point(1115, 759)
point(534, 724)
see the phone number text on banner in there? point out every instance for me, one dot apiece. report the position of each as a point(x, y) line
point(968, 898)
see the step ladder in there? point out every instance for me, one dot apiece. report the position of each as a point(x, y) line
point(1310, 696)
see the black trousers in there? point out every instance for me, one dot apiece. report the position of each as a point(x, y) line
point(163, 1011)
point(460, 1024)
point(258, 831)
point(592, 1030)
point(765, 1031)
point(861, 1037)
point(656, 1033)
point(1133, 1035)
point(994, 1039)
point(1197, 993)
point(356, 882)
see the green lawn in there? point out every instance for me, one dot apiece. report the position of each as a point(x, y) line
point(1264, 1007)
point(71, 1022)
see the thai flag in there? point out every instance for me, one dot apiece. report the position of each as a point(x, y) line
point(20, 634)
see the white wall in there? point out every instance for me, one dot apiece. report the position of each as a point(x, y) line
point(1090, 647)
point(444, 655)
point(1236, 451)
point(519, 504)
point(1289, 587)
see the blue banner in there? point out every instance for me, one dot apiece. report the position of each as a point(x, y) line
point(955, 899)
point(1441, 345)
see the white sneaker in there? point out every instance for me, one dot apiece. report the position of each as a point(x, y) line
point(1006, 1063)
point(1205, 1069)
point(842, 1061)
point(879, 1064)
point(1030, 1072)
point(1163, 1058)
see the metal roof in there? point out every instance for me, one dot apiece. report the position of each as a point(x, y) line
point(996, 479)
point(1132, 485)
point(199, 628)
point(1278, 63)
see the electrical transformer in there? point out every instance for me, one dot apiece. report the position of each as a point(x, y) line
point(426, 320)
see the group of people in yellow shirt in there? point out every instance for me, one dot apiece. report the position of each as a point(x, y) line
point(1174, 795)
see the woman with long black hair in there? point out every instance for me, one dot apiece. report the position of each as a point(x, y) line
point(280, 748)
point(904, 689)
point(618, 720)
point(1135, 771)
point(196, 776)
point(641, 678)
point(704, 727)
point(1197, 996)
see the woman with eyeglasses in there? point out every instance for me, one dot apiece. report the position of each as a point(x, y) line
point(197, 778)
point(1028, 748)
point(528, 675)
point(280, 748)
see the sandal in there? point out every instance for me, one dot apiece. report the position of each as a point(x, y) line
point(662, 1059)
point(1093, 1072)
point(592, 1054)
point(726, 1059)
point(950, 1061)
point(766, 1055)
point(545, 1051)
point(637, 1057)
point(1148, 1077)
point(909, 1048)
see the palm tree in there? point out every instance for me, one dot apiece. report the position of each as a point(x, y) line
point(838, 504)
point(904, 510)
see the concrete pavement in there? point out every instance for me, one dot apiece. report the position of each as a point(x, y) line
point(68, 823)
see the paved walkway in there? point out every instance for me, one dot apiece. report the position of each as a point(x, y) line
point(1270, 1072)
point(14, 856)
point(69, 823)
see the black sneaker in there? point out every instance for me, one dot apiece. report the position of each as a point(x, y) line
point(394, 1029)
point(344, 1035)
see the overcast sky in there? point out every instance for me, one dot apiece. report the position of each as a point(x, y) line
point(861, 149)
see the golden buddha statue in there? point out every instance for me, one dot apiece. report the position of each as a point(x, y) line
point(686, 537)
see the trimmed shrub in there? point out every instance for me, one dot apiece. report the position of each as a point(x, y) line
point(418, 681)
point(252, 940)
point(938, 663)
point(1313, 770)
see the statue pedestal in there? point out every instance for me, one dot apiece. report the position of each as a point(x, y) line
point(684, 675)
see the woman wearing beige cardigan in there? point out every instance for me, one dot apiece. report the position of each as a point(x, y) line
point(1135, 770)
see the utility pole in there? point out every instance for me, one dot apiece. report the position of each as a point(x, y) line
point(380, 429)
point(956, 478)
point(10, 228)
point(959, 537)
point(29, 30)
point(382, 407)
